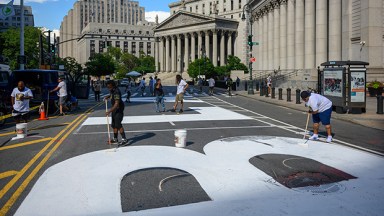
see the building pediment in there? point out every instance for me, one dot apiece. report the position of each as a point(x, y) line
point(184, 18)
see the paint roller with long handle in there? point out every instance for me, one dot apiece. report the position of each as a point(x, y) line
point(106, 110)
point(306, 126)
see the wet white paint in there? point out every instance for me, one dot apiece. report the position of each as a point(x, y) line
point(187, 99)
point(90, 184)
point(203, 114)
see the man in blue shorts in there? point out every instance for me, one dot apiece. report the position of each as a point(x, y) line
point(321, 109)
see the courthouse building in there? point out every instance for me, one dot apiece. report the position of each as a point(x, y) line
point(293, 35)
point(94, 24)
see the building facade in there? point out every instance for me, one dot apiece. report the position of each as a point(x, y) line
point(109, 15)
point(293, 35)
point(14, 21)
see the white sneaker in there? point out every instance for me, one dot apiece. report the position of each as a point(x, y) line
point(314, 137)
point(329, 139)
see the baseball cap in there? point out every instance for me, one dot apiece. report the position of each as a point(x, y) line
point(305, 94)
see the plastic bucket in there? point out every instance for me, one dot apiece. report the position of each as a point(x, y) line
point(180, 138)
point(21, 130)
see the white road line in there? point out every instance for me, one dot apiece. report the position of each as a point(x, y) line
point(173, 124)
point(134, 94)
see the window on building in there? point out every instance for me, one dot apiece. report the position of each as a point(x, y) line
point(116, 31)
point(92, 48)
point(147, 32)
point(132, 31)
point(141, 47)
point(109, 43)
point(100, 30)
point(117, 44)
point(109, 30)
point(149, 48)
point(190, 9)
point(125, 31)
point(133, 47)
point(231, 5)
point(125, 47)
point(239, 4)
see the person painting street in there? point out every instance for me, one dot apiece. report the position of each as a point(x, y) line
point(97, 89)
point(20, 97)
point(62, 88)
point(159, 93)
point(321, 109)
point(181, 88)
point(117, 112)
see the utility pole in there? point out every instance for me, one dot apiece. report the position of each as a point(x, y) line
point(22, 59)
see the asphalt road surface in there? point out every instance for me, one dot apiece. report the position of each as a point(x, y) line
point(242, 157)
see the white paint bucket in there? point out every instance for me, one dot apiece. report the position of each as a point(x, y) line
point(21, 130)
point(180, 138)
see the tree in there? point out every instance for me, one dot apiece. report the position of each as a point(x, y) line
point(201, 66)
point(222, 71)
point(129, 61)
point(10, 46)
point(74, 69)
point(146, 64)
point(234, 63)
point(100, 65)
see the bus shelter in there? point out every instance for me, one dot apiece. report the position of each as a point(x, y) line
point(343, 82)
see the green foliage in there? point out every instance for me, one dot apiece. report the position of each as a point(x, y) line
point(234, 63)
point(10, 46)
point(100, 65)
point(115, 53)
point(201, 66)
point(222, 71)
point(129, 61)
point(375, 84)
point(146, 64)
point(74, 70)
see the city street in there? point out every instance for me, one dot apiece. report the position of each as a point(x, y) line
point(243, 157)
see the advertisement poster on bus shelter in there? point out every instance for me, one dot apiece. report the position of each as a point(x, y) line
point(357, 86)
point(333, 83)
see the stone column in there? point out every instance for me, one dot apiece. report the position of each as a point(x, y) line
point(276, 37)
point(186, 52)
point(229, 45)
point(270, 38)
point(310, 42)
point(199, 44)
point(167, 54)
point(161, 55)
point(261, 44)
point(193, 46)
point(157, 42)
point(207, 46)
point(214, 49)
point(178, 55)
point(299, 35)
point(265, 42)
point(346, 29)
point(291, 35)
point(222, 48)
point(335, 30)
point(173, 54)
point(321, 32)
point(283, 36)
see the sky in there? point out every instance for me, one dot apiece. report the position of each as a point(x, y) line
point(49, 13)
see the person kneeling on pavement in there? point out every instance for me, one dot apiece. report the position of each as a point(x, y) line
point(117, 112)
point(321, 109)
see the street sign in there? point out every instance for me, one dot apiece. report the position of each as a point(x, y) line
point(255, 43)
point(253, 59)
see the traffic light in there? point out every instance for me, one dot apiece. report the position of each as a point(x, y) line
point(53, 48)
point(250, 43)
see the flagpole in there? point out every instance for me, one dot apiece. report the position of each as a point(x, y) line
point(22, 34)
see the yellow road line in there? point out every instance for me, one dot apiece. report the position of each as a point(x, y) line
point(31, 162)
point(25, 183)
point(8, 174)
point(7, 134)
point(10, 115)
point(25, 143)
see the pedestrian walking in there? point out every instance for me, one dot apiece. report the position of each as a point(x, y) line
point(62, 88)
point(237, 82)
point(269, 84)
point(211, 83)
point(20, 97)
point(151, 85)
point(181, 88)
point(97, 89)
point(200, 84)
point(142, 87)
point(159, 94)
point(321, 109)
point(229, 83)
point(117, 112)
point(128, 90)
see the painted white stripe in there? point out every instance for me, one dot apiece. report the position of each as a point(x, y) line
point(173, 124)
point(134, 94)
point(166, 99)
point(205, 114)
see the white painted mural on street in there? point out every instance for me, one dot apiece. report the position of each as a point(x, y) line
point(201, 114)
point(90, 184)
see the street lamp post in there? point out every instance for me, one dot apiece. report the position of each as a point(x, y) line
point(250, 43)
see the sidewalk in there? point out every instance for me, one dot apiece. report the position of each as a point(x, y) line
point(368, 119)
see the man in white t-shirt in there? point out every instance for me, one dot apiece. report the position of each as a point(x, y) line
point(62, 88)
point(269, 84)
point(321, 109)
point(20, 102)
point(181, 88)
point(211, 84)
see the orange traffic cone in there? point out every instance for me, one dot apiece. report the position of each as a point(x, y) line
point(42, 112)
